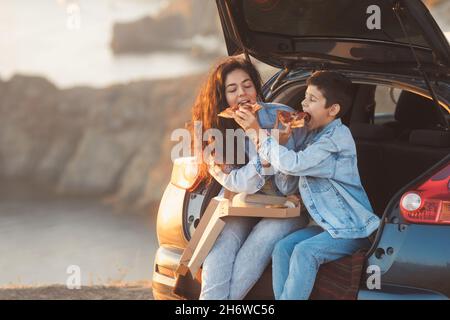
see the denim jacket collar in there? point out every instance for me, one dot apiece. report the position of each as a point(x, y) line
point(332, 124)
point(327, 128)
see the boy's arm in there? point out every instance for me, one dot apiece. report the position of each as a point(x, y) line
point(316, 160)
point(288, 184)
point(245, 179)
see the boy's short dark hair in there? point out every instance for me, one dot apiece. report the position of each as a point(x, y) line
point(335, 87)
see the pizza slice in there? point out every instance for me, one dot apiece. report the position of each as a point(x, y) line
point(231, 111)
point(295, 119)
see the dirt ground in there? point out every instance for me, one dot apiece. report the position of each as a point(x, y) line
point(60, 292)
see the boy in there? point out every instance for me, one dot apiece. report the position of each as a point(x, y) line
point(328, 180)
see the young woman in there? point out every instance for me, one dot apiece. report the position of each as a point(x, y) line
point(243, 249)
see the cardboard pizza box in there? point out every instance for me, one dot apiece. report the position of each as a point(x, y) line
point(259, 205)
point(196, 237)
point(212, 223)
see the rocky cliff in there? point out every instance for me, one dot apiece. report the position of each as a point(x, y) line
point(174, 28)
point(85, 141)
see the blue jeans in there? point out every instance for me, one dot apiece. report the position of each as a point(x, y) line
point(296, 260)
point(241, 253)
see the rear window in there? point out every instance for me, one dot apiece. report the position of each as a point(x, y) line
point(328, 18)
point(386, 99)
point(385, 102)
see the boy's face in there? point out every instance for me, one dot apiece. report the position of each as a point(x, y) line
point(314, 104)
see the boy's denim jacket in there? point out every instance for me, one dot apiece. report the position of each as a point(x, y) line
point(325, 169)
point(251, 177)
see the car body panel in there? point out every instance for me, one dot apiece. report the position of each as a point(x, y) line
point(414, 256)
point(411, 254)
point(170, 218)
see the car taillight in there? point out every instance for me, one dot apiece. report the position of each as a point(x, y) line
point(185, 172)
point(430, 201)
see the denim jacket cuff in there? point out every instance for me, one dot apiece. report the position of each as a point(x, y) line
point(258, 165)
point(264, 147)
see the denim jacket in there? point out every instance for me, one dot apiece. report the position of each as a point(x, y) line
point(251, 177)
point(326, 166)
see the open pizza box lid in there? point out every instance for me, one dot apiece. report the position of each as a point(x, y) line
point(212, 222)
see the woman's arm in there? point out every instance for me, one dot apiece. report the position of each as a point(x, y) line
point(245, 179)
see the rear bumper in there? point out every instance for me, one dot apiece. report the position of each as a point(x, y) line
point(394, 292)
point(164, 276)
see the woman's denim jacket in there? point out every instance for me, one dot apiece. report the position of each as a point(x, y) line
point(324, 166)
point(251, 177)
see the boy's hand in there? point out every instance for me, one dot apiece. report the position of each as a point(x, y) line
point(283, 135)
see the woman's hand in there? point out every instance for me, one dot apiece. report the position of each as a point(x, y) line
point(246, 119)
point(265, 164)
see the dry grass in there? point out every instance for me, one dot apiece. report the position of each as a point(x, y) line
point(116, 291)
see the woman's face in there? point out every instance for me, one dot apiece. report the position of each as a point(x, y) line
point(239, 88)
